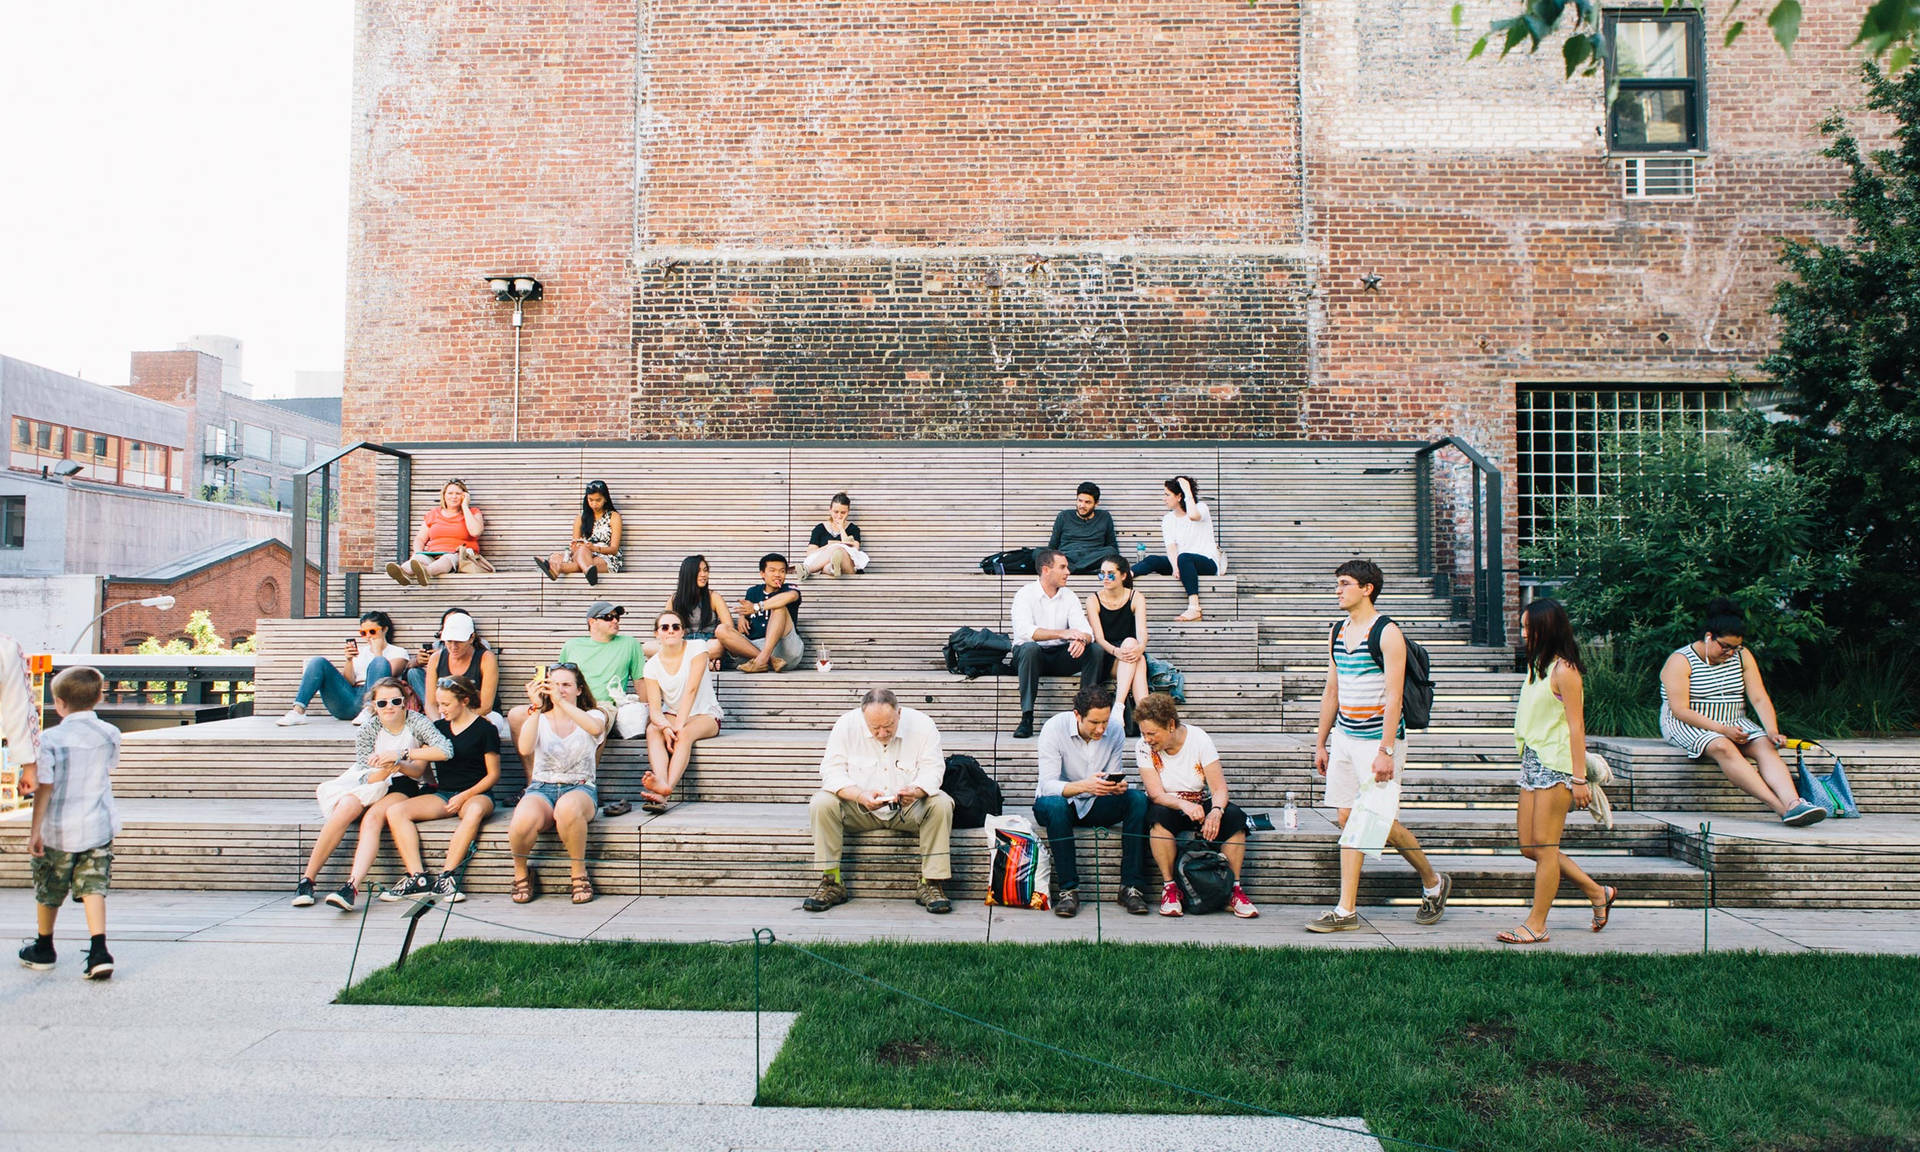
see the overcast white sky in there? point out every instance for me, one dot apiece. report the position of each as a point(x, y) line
point(170, 168)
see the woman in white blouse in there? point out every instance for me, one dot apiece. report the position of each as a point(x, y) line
point(1192, 550)
point(561, 746)
point(681, 708)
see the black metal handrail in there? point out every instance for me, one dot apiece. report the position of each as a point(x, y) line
point(1489, 572)
point(403, 508)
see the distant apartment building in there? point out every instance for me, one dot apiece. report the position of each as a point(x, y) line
point(242, 450)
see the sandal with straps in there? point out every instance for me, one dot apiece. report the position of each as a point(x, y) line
point(1604, 909)
point(526, 889)
point(1514, 936)
point(582, 890)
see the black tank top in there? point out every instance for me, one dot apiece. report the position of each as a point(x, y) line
point(1116, 624)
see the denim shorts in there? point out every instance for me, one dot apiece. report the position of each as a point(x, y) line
point(551, 793)
point(1535, 776)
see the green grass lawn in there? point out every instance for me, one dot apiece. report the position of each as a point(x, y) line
point(1461, 1049)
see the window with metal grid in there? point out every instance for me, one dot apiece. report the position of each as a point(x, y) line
point(1565, 433)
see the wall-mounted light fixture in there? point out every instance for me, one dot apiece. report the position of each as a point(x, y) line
point(519, 289)
point(66, 468)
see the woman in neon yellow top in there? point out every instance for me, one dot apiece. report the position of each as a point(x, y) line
point(1550, 732)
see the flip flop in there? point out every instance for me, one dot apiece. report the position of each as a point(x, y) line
point(1513, 936)
point(1603, 910)
point(616, 808)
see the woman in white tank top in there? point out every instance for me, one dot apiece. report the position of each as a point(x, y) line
point(682, 709)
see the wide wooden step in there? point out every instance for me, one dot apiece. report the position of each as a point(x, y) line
point(1658, 776)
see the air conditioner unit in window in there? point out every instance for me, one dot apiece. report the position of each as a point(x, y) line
point(1656, 177)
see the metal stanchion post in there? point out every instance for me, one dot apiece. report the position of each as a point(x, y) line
point(1706, 884)
point(760, 936)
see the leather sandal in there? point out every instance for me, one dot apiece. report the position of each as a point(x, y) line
point(526, 889)
point(582, 890)
point(1604, 909)
point(1522, 935)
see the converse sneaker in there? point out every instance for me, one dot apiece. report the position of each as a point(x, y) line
point(293, 716)
point(99, 965)
point(1170, 900)
point(303, 893)
point(411, 885)
point(344, 896)
point(445, 888)
point(37, 956)
point(1242, 907)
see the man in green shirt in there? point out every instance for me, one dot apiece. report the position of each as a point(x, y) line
point(608, 661)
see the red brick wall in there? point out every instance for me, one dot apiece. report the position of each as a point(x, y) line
point(239, 592)
point(173, 377)
point(793, 218)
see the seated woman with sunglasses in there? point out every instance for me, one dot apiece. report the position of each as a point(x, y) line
point(681, 708)
point(464, 790)
point(596, 539)
point(460, 652)
point(391, 763)
point(371, 656)
point(1117, 615)
point(560, 746)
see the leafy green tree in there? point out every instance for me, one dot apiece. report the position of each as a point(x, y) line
point(201, 640)
point(1888, 28)
point(1689, 518)
point(1849, 359)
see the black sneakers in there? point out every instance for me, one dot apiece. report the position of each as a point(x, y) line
point(445, 888)
point(99, 964)
point(303, 893)
point(411, 885)
point(344, 896)
point(37, 956)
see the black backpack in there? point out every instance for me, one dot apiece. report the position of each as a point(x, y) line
point(1416, 690)
point(1205, 877)
point(976, 795)
point(974, 652)
point(1012, 562)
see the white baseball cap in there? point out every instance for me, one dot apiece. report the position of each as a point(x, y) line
point(458, 626)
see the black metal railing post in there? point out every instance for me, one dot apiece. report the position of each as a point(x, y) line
point(297, 588)
point(403, 509)
point(1488, 615)
point(302, 487)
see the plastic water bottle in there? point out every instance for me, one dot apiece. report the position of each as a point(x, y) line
point(1290, 815)
point(1140, 551)
point(825, 661)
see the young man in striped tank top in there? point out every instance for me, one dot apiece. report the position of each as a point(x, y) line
point(1361, 737)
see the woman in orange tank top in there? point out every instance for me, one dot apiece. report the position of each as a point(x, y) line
point(450, 526)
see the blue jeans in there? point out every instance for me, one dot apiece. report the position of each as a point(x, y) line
point(1191, 569)
point(341, 696)
point(1057, 815)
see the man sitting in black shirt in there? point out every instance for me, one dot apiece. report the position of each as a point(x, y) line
point(1083, 532)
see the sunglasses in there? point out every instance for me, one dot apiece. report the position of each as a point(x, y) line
point(667, 627)
point(452, 681)
point(568, 666)
point(1109, 575)
point(372, 630)
point(394, 702)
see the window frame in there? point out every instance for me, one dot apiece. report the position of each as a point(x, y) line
point(13, 518)
point(246, 449)
point(1695, 86)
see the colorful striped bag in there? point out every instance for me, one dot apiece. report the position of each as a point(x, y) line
point(1019, 873)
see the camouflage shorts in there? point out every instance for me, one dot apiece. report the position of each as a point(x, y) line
point(82, 873)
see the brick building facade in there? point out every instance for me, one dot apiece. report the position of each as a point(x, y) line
point(947, 219)
point(238, 583)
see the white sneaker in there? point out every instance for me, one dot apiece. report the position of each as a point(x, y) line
point(293, 716)
point(366, 714)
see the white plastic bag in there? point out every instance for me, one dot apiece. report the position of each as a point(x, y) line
point(1372, 817)
point(353, 782)
point(1019, 870)
point(629, 716)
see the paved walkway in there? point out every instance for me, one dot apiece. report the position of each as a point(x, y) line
point(219, 1028)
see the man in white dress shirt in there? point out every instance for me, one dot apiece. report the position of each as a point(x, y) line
point(882, 769)
point(1050, 634)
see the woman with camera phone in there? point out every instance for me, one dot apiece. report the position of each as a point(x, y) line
point(560, 747)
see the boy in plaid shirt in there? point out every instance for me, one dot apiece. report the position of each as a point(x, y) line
point(73, 819)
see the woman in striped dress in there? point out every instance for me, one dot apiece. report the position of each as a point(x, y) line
point(1704, 691)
